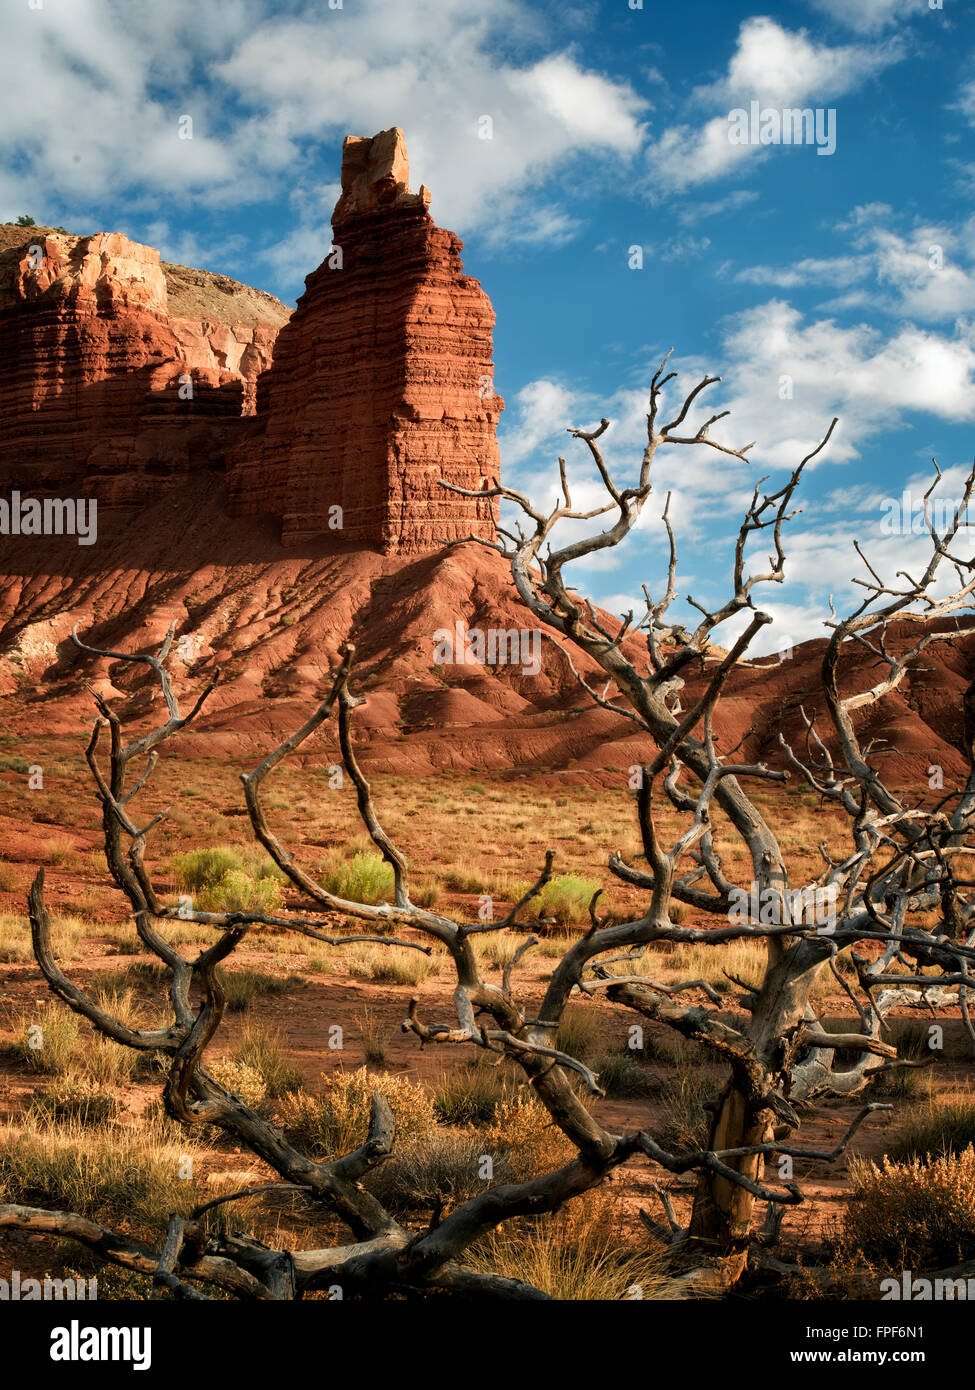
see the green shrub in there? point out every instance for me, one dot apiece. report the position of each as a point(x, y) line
point(238, 892)
point(198, 869)
point(365, 878)
point(566, 898)
point(228, 879)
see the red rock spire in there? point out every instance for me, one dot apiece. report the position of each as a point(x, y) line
point(382, 381)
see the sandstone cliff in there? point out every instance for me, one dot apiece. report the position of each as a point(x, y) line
point(382, 382)
point(97, 337)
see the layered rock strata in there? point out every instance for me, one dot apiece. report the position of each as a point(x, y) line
point(102, 385)
point(382, 381)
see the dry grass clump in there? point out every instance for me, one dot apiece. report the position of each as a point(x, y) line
point(56, 1042)
point(337, 1121)
point(523, 1131)
point(943, 1128)
point(263, 1049)
point(103, 1060)
point(15, 942)
point(110, 1174)
point(454, 1164)
point(622, 1075)
point(460, 878)
point(242, 1079)
point(430, 1162)
point(472, 1094)
point(46, 1039)
point(74, 1099)
point(578, 1033)
point(687, 1122)
point(257, 1070)
point(373, 1036)
point(241, 986)
point(445, 1165)
point(915, 1215)
point(576, 1254)
point(10, 879)
point(745, 959)
point(389, 964)
point(497, 948)
point(554, 945)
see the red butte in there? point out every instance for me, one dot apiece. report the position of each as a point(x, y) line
point(382, 381)
point(120, 375)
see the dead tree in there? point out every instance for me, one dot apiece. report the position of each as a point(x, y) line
point(904, 862)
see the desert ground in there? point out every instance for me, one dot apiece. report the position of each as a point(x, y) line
point(83, 1124)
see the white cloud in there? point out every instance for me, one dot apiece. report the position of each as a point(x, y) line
point(91, 92)
point(539, 412)
point(185, 248)
point(697, 212)
point(776, 67)
point(358, 72)
point(842, 270)
point(80, 104)
point(926, 274)
point(870, 380)
point(784, 68)
point(869, 16)
point(853, 372)
point(966, 101)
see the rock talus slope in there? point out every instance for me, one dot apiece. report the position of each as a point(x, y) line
point(274, 619)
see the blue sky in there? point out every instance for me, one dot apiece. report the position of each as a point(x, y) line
point(814, 284)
